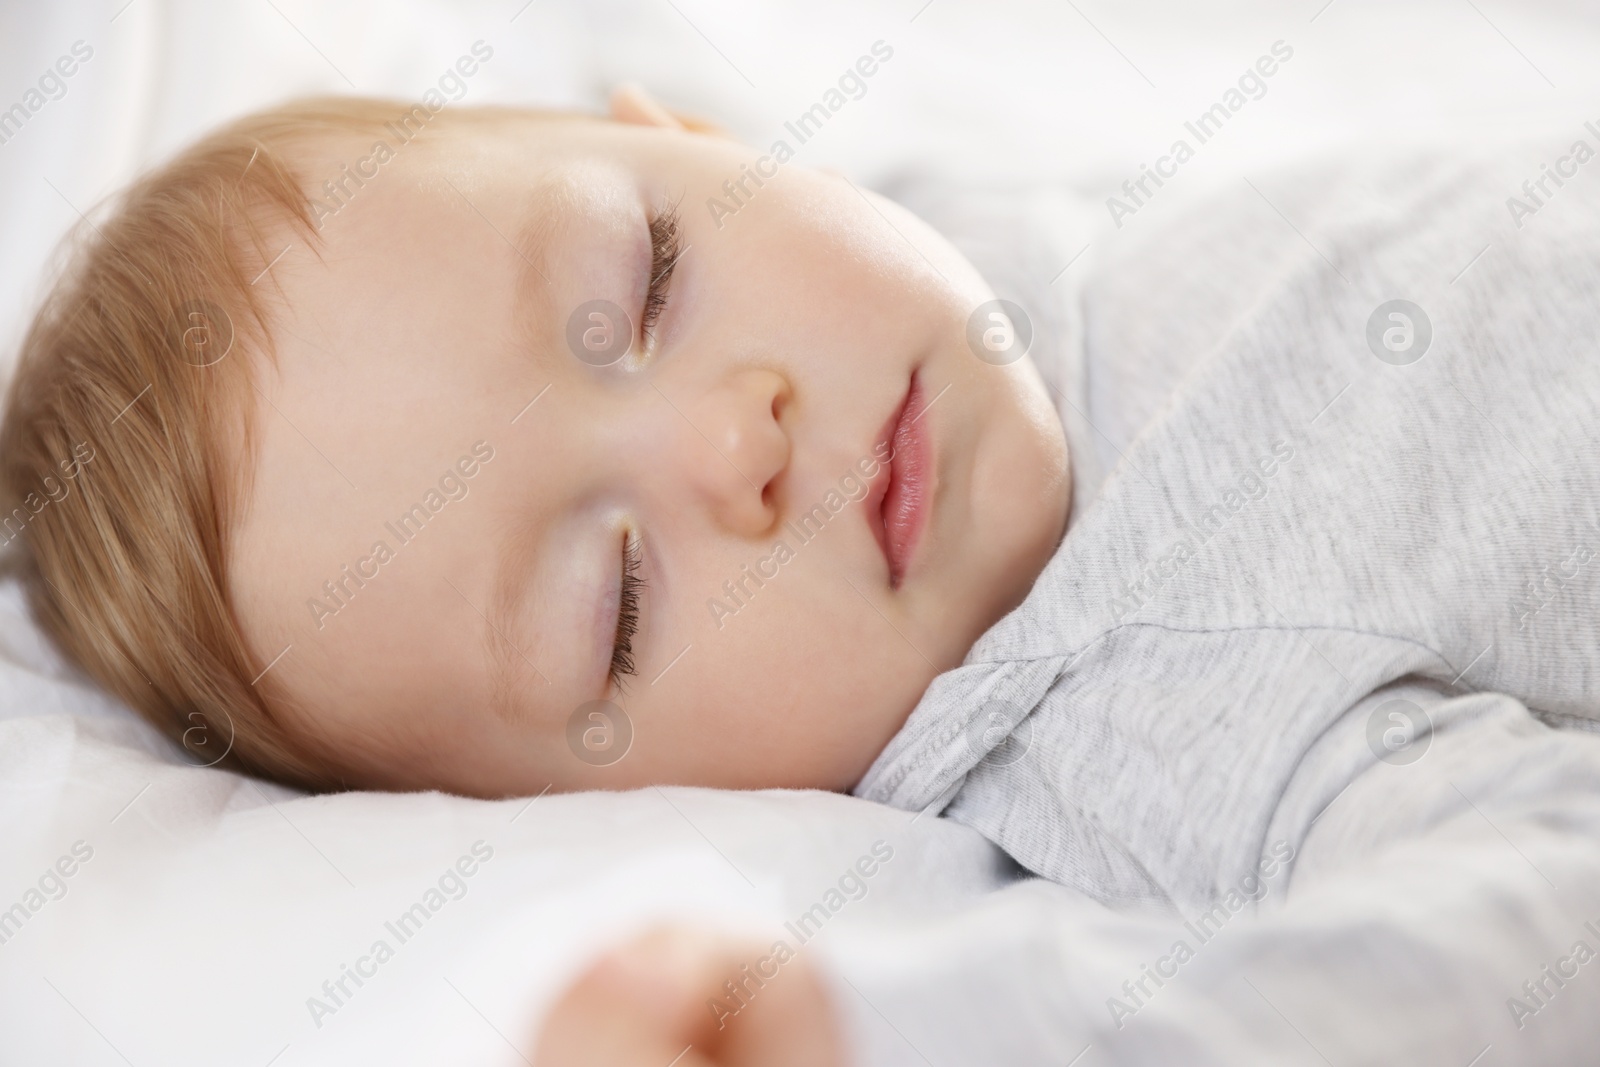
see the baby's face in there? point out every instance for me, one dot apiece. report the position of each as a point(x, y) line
point(495, 504)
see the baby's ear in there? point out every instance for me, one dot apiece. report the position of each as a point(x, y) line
point(631, 104)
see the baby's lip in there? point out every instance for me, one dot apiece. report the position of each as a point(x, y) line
point(896, 504)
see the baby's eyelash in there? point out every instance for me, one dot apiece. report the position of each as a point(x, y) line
point(627, 612)
point(665, 248)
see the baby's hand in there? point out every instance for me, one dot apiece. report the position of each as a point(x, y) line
point(655, 1001)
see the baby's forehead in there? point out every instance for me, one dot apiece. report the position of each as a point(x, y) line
point(337, 164)
point(392, 332)
point(426, 281)
point(522, 181)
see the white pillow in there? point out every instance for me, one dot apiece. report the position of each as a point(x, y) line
point(178, 914)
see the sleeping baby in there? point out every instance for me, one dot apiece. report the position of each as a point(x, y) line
point(407, 451)
point(477, 450)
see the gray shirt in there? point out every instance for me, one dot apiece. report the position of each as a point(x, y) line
point(1381, 472)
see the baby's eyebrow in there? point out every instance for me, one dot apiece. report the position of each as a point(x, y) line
point(551, 204)
point(543, 219)
point(502, 633)
point(546, 214)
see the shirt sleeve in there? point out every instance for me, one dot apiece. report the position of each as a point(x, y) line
point(1439, 909)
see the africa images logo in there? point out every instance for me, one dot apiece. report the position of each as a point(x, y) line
point(1399, 332)
point(1399, 732)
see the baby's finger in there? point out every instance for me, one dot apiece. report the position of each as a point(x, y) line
point(652, 1003)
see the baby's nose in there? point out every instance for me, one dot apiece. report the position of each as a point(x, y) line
point(740, 419)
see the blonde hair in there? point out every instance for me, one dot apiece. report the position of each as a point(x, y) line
point(132, 390)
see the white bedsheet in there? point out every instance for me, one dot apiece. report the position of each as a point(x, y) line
point(212, 909)
point(204, 911)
